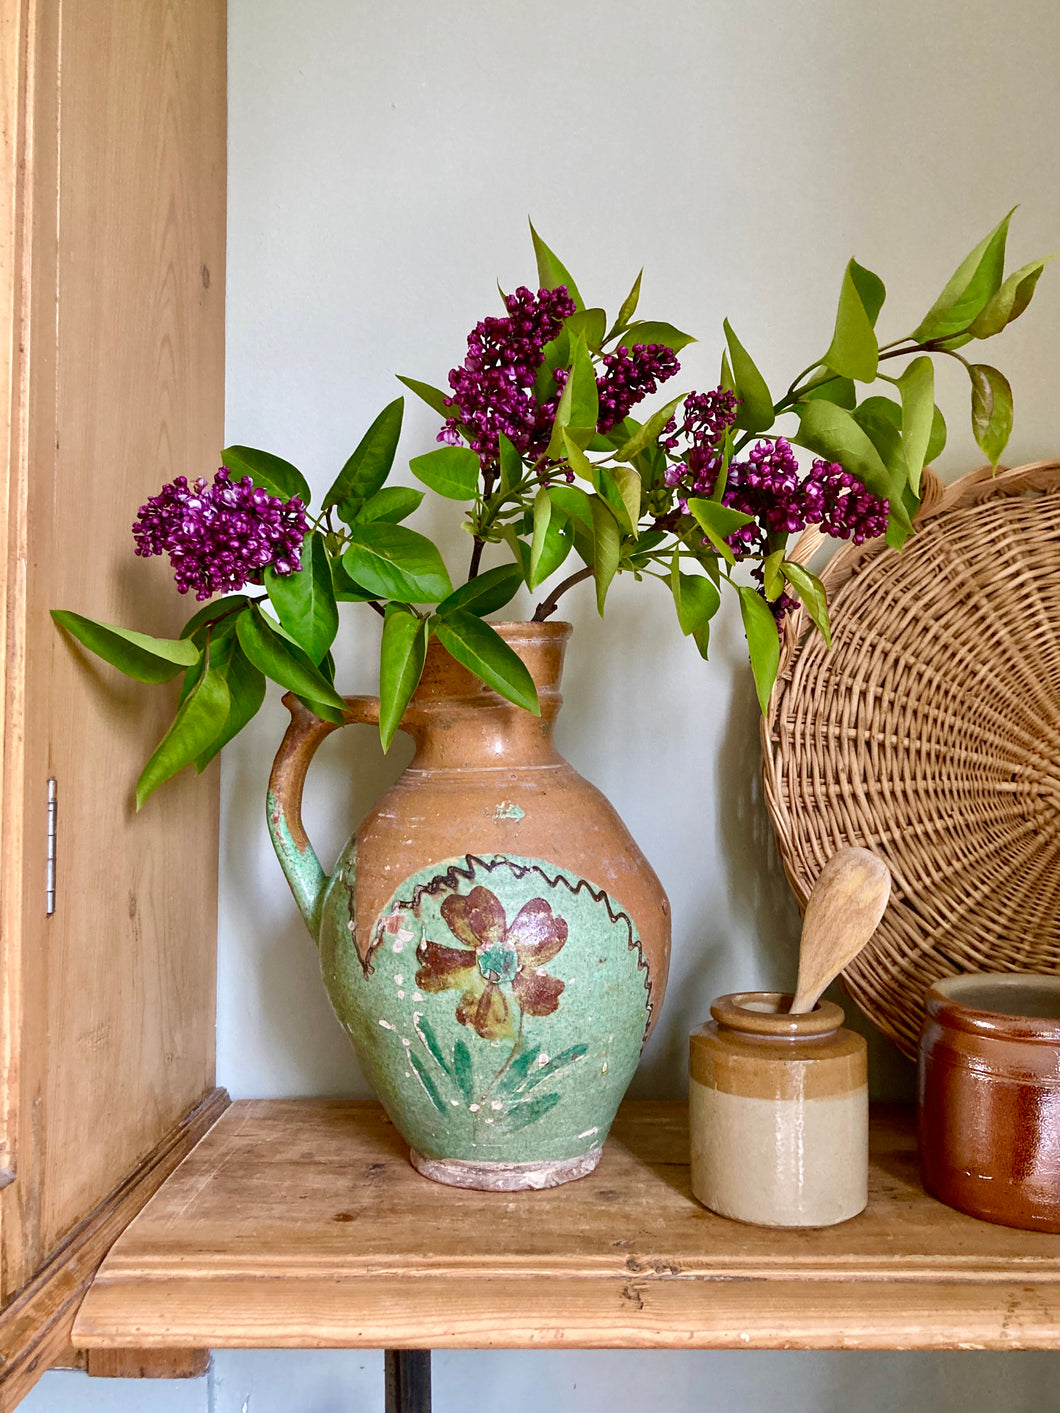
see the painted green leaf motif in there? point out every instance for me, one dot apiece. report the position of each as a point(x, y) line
point(282, 661)
point(482, 650)
point(917, 387)
point(812, 593)
point(402, 651)
point(393, 562)
point(554, 1067)
point(392, 504)
point(428, 1083)
point(305, 601)
point(520, 1115)
point(433, 397)
point(516, 1073)
point(462, 1070)
point(607, 545)
point(763, 641)
point(138, 655)
point(451, 471)
point(854, 352)
point(1010, 300)
point(271, 473)
point(991, 410)
point(196, 724)
point(487, 592)
point(426, 1033)
point(650, 331)
point(977, 278)
point(755, 412)
point(369, 464)
point(551, 271)
point(246, 692)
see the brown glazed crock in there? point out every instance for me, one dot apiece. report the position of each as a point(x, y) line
point(989, 1097)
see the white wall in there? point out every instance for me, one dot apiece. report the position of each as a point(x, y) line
point(383, 161)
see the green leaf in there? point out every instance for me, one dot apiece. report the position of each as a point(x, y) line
point(573, 502)
point(871, 289)
point(991, 410)
point(726, 381)
point(917, 387)
point(631, 489)
point(607, 488)
point(812, 593)
point(629, 308)
point(977, 278)
point(487, 592)
point(212, 611)
point(542, 520)
point(347, 590)
point(394, 562)
point(755, 413)
point(695, 598)
point(854, 352)
point(607, 542)
point(482, 650)
point(590, 323)
point(772, 582)
point(938, 437)
point(578, 409)
point(138, 655)
point(402, 652)
point(833, 433)
point(246, 692)
point(717, 522)
point(1010, 300)
point(763, 641)
point(577, 460)
point(558, 539)
point(652, 331)
point(392, 503)
point(511, 464)
point(649, 432)
point(551, 271)
point(433, 397)
point(271, 473)
point(841, 391)
point(451, 471)
point(305, 601)
point(196, 724)
point(370, 463)
point(282, 662)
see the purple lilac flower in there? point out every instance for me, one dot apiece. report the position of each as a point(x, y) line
point(707, 417)
point(630, 376)
point(848, 510)
point(493, 389)
point(223, 536)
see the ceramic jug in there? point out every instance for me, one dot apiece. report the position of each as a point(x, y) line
point(492, 939)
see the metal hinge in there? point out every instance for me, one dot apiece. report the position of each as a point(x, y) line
point(49, 876)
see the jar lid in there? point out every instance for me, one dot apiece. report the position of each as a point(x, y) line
point(767, 1013)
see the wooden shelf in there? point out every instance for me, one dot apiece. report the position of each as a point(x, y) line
point(300, 1224)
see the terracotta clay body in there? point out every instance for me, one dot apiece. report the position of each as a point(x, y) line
point(493, 941)
point(990, 1097)
point(778, 1113)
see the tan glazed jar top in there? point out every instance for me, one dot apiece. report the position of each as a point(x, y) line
point(1003, 1006)
point(765, 1013)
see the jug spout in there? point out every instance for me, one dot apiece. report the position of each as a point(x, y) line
point(298, 859)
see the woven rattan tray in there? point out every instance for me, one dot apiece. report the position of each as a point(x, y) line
point(931, 735)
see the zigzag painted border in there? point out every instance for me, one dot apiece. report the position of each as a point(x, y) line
point(453, 875)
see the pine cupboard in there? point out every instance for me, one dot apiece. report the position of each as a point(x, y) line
point(111, 381)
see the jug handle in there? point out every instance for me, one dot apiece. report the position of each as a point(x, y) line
point(284, 801)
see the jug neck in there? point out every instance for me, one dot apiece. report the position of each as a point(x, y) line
point(459, 723)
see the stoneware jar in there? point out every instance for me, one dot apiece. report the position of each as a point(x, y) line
point(492, 940)
point(989, 1090)
point(778, 1113)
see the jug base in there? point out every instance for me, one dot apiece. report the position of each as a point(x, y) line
point(504, 1177)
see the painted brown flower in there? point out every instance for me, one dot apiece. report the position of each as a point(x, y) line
point(498, 968)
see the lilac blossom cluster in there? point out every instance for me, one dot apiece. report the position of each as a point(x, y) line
point(493, 388)
point(221, 536)
point(707, 417)
point(629, 377)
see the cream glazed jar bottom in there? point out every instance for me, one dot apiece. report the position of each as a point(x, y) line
point(778, 1113)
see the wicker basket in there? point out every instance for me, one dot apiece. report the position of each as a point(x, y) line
point(931, 735)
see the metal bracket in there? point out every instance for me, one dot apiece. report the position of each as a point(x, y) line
point(49, 877)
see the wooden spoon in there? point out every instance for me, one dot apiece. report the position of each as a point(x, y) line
point(844, 909)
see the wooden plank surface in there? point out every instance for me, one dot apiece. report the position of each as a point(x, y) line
point(299, 1223)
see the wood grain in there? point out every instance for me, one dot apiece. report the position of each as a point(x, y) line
point(147, 1363)
point(36, 1327)
point(299, 1223)
point(116, 167)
